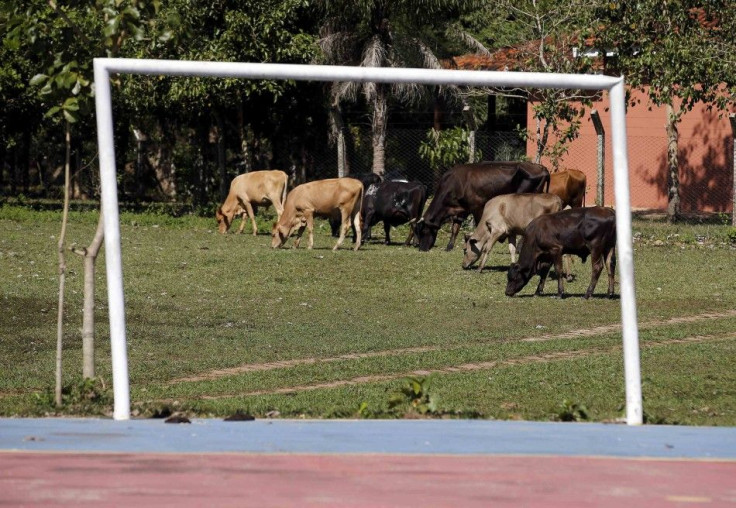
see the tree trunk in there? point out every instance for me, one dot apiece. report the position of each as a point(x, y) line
point(3, 157)
point(88, 315)
point(337, 127)
point(26, 160)
point(380, 118)
point(162, 161)
point(62, 265)
point(244, 148)
point(673, 176)
point(439, 112)
point(224, 180)
point(542, 135)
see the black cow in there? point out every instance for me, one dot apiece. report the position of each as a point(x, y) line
point(394, 203)
point(465, 189)
point(368, 179)
point(578, 231)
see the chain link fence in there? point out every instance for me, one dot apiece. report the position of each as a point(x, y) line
point(706, 169)
point(403, 154)
point(706, 173)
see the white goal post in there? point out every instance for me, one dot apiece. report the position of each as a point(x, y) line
point(103, 67)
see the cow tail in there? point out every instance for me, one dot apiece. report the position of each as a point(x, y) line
point(360, 205)
point(283, 192)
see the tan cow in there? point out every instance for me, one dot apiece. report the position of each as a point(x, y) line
point(322, 198)
point(570, 185)
point(249, 189)
point(505, 217)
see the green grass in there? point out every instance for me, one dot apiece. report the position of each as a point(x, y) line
point(349, 327)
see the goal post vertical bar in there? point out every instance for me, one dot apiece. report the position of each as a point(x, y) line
point(113, 251)
point(624, 246)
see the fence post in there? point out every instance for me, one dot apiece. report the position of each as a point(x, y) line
point(601, 158)
point(470, 122)
point(732, 119)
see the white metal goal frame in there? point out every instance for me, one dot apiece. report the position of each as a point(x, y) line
point(104, 67)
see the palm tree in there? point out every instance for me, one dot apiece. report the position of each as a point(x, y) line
point(386, 33)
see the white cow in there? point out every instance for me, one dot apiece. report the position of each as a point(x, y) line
point(505, 217)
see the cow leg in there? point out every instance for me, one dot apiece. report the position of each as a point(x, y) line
point(279, 207)
point(309, 218)
point(512, 248)
point(357, 225)
point(299, 234)
point(611, 267)
point(567, 267)
point(596, 259)
point(543, 272)
point(453, 233)
point(243, 219)
point(560, 278)
point(344, 225)
point(411, 233)
point(387, 232)
point(252, 215)
point(487, 248)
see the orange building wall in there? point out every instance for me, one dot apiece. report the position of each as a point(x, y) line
point(705, 151)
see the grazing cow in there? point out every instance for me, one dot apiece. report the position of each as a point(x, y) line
point(394, 203)
point(249, 190)
point(321, 198)
point(505, 217)
point(464, 189)
point(570, 185)
point(579, 231)
point(367, 179)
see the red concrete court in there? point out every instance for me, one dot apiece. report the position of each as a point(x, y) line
point(124, 479)
point(87, 462)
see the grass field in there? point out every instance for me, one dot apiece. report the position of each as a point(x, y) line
point(222, 324)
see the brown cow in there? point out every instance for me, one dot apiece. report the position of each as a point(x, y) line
point(464, 189)
point(580, 231)
point(505, 217)
point(570, 185)
point(248, 191)
point(322, 198)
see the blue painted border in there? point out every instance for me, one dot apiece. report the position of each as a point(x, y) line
point(453, 437)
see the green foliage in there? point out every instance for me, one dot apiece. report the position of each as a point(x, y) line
point(88, 397)
point(63, 40)
point(731, 235)
point(442, 149)
point(672, 49)
point(415, 393)
point(571, 411)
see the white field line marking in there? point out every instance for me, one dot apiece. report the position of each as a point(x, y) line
point(589, 332)
point(468, 367)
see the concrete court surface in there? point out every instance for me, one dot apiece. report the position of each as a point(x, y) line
point(364, 463)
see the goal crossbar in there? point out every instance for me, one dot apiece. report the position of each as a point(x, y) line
point(104, 67)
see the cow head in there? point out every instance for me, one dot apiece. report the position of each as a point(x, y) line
point(223, 220)
point(427, 235)
point(283, 229)
point(517, 277)
point(472, 251)
point(279, 234)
